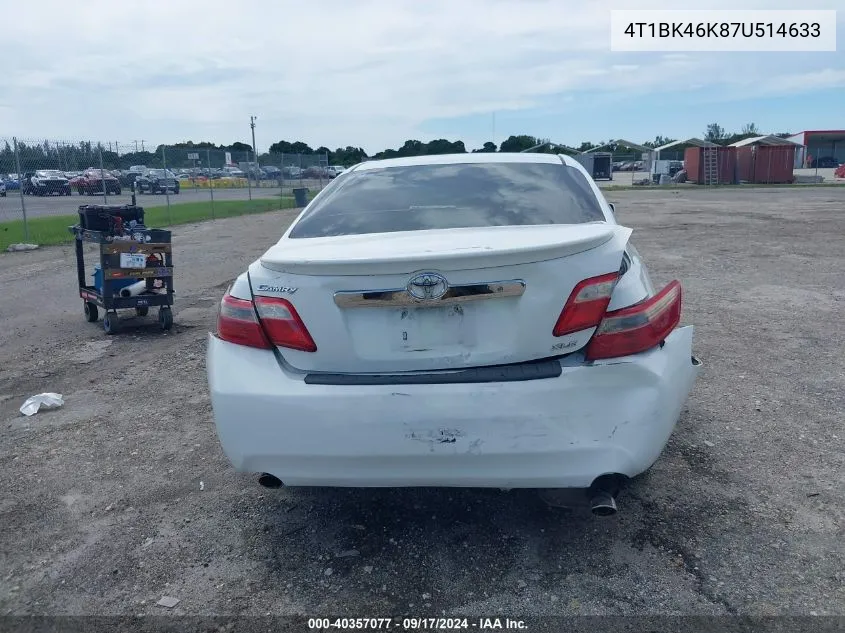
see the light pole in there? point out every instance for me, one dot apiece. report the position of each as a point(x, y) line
point(252, 120)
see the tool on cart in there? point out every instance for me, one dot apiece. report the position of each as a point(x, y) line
point(135, 268)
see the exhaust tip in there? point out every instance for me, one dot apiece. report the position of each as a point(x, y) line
point(603, 505)
point(269, 481)
point(602, 494)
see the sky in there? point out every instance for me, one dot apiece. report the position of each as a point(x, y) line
point(373, 73)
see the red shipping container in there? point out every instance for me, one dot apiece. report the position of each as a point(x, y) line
point(745, 163)
point(695, 163)
point(774, 163)
point(762, 164)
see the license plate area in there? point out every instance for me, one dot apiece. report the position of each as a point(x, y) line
point(425, 329)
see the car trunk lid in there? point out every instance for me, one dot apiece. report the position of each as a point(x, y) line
point(436, 300)
point(407, 251)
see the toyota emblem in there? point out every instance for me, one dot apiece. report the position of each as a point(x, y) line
point(427, 286)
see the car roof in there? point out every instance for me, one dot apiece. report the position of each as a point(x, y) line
point(456, 159)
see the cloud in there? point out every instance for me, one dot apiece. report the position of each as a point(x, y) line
point(364, 72)
point(823, 79)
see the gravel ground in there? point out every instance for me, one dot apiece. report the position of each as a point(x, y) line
point(124, 496)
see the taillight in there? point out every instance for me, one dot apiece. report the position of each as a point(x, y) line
point(264, 323)
point(586, 304)
point(283, 325)
point(639, 327)
point(238, 323)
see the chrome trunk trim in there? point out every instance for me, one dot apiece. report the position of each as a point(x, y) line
point(400, 297)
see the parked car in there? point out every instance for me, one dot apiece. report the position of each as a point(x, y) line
point(12, 182)
point(232, 172)
point(316, 171)
point(2, 189)
point(292, 172)
point(825, 162)
point(271, 173)
point(128, 177)
point(335, 170)
point(45, 182)
point(250, 170)
point(157, 181)
point(491, 326)
point(94, 181)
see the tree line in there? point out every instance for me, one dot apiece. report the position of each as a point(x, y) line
point(79, 156)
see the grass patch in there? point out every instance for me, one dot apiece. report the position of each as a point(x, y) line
point(51, 230)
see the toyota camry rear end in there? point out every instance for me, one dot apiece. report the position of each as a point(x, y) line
point(463, 320)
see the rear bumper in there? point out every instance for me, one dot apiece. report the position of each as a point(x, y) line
point(610, 417)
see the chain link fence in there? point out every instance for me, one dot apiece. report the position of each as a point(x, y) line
point(42, 183)
point(629, 168)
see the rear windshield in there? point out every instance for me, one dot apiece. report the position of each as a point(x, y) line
point(421, 197)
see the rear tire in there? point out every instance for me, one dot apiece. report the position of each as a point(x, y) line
point(91, 312)
point(165, 318)
point(111, 323)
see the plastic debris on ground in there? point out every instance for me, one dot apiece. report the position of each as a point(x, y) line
point(168, 602)
point(42, 401)
point(13, 248)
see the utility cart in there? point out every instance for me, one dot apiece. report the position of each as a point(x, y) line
point(135, 268)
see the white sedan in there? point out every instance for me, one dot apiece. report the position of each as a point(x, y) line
point(457, 320)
